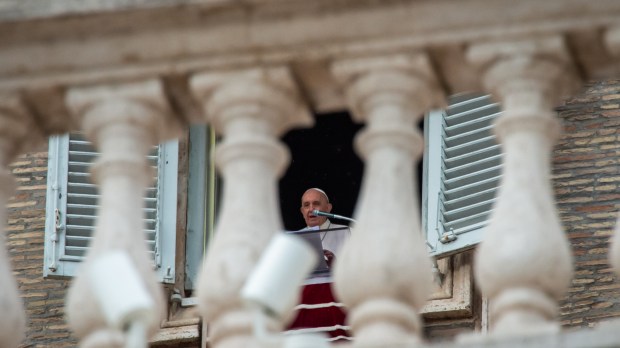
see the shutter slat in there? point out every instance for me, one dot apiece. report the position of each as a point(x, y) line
point(466, 148)
point(476, 165)
point(471, 126)
point(82, 199)
point(78, 157)
point(471, 226)
point(79, 230)
point(84, 189)
point(462, 191)
point(472, 198)
point(151, 192)
point(465, 101)
point(468, 210)
point(76, 251)
point(82, 185)
point(80, 178)
point(81, 209)
point(76, 207)
point(78, 241)
point(79, 167)
point(465, 137)
point(80, 146)
point(465, 119)
point(473, 178)
point(80, 220)
point(472, 156)
point(467, 221)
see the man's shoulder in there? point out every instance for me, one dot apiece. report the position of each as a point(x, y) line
point(333, 226)
point(340, 229)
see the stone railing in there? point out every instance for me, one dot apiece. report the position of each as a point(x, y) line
point(132, 85)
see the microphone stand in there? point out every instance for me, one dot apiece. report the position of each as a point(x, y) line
point(332, 216)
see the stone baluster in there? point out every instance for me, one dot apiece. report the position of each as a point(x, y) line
point(612, 43)
point(249, 109)
point(524, 264)
point(383, 274)
point(611, 39)
point(124, 121)
point(17, 132)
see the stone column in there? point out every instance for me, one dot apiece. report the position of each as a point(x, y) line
point(250, 109)
point(383, 274)
point(611, 39)
point(17, 131)
point(524, 264)
point(612, 43)
point(124, 121)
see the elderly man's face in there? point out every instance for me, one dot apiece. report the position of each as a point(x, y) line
point(314, 200)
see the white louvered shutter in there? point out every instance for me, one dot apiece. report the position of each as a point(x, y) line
point(72, 206)
point(462, 168)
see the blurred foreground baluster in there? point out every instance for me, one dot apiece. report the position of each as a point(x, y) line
point(612, 40)
point(124, 122)
point(17, 132)
point(524, 263)
point(384, 273)
point(249, 109)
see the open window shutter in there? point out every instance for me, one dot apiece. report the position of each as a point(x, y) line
point(462, 168)
point(72, 205)
point(201, 200)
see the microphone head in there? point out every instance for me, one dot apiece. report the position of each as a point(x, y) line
point(315, 212)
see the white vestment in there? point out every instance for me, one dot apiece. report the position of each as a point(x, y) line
point(333, 240)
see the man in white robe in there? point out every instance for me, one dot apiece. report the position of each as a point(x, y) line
point(316, 199)
point(324, 314)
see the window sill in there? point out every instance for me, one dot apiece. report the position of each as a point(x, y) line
point(176, 332)
point(454, 298)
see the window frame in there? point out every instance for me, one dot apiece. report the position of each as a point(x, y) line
point(56, 264)
point(455, 297)
point(443, 243)
point(201, 200)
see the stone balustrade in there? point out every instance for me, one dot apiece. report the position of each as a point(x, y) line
point(528, 77)
point(250, 109)
point(390, 94)
point(18, 133)
point(123, 121)
point(524, 264)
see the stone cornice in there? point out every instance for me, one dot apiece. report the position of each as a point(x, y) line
point(144, 41)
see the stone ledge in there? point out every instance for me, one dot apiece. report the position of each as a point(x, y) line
point(605, 336)
point(30, 9)
point(174, 335)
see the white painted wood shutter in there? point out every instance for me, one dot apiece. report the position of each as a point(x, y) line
point(72, 204)
point(462, 168)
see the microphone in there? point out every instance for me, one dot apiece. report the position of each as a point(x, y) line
point(317, 212)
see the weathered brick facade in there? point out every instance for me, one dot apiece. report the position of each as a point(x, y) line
point(586, 177)
point(43, 298)
point(586, 180)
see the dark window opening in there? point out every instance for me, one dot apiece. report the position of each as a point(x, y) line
point(323, 157)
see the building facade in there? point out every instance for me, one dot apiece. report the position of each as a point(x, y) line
point(133, 75)
point(585, 184)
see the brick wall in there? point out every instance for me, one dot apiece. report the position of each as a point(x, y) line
point(586, 178)
point(43, 298)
